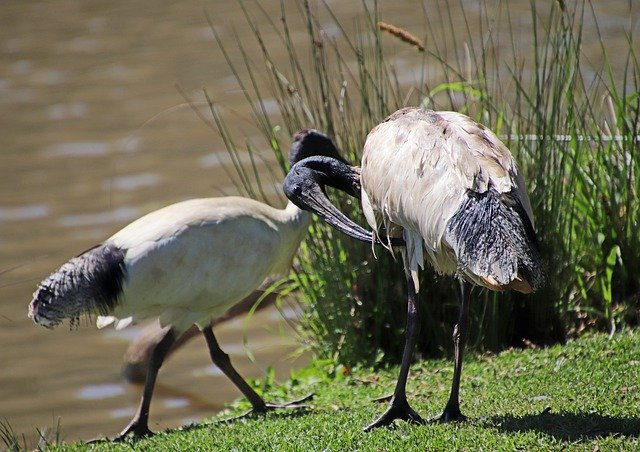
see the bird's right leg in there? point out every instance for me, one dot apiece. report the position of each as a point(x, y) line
point(452, 409)
point(221, 359)
point(399, 407)
point(139, 424)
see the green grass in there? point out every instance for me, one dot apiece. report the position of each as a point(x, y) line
point(582, 396)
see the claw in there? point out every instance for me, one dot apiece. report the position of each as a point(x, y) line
point(298, 403)
point(450, 414)
point(294, 404)
point(103, 439)
point(137, 430)
point(399, 409)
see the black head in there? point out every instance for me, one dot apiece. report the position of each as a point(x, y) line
point(305, 187)
point(309, 143)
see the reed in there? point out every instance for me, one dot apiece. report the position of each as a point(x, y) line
point(573, 128)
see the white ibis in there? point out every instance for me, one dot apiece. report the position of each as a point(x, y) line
point(186, 264)
point(453, 190)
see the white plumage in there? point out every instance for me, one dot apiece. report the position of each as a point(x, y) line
point(186, 264)
point(417, 169)
point(191, 261)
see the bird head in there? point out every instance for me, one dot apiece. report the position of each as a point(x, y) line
point(305, 187)
point(309, 143)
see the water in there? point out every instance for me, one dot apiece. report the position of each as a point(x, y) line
point(95, 134)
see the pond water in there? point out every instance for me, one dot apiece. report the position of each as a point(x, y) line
point(95, 132)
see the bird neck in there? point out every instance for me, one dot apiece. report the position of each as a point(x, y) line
point(296, 218)
point(294, 223)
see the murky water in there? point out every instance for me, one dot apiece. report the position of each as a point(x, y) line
point(94, 134)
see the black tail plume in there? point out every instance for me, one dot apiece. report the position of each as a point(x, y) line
point(90, 282)
point(493, 237)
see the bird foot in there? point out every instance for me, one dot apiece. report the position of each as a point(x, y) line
point(298, 403)
point(102, 439)
point(399, 409)
point(261, 410)
point(450, 414)
point(136, 429)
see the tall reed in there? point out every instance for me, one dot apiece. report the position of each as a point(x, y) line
point(573, 129)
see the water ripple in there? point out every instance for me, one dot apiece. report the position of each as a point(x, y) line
point(97, 392)
point(66, 111)
point(30, 212)
point(76, 149)
point(122, 412)
point(132, 182)
point(176, 402)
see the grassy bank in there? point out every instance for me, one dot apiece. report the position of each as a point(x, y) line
point(582, 396)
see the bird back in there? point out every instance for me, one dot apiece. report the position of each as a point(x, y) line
point(425, 171)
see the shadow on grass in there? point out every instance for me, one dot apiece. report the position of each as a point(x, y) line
point(569, 426)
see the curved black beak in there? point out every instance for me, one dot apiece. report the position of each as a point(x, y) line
point(305, 187)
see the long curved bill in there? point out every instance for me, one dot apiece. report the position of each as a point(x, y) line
point(318, 202)
point(304, 186)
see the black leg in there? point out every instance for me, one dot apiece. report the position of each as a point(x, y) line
point(452, 410)
point(399, 407)
point(139, 424)
point(221, 359)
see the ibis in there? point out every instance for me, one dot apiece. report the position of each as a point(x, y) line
point(185, 264)
point(450, 189)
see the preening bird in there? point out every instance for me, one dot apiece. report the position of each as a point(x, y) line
point(452, 189)
point(185, 264)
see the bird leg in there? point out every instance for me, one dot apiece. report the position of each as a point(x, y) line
point(452, 410)
point(221, 359)
point(399, 407)
point(139, 424)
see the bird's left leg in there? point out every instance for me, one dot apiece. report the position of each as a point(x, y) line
point(139, 424)
point(399, 407)
point(221, 359)
point(452, 410)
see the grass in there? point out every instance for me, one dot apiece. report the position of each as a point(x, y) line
point(572, 124)
point(49, 436)
point(582, 396)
